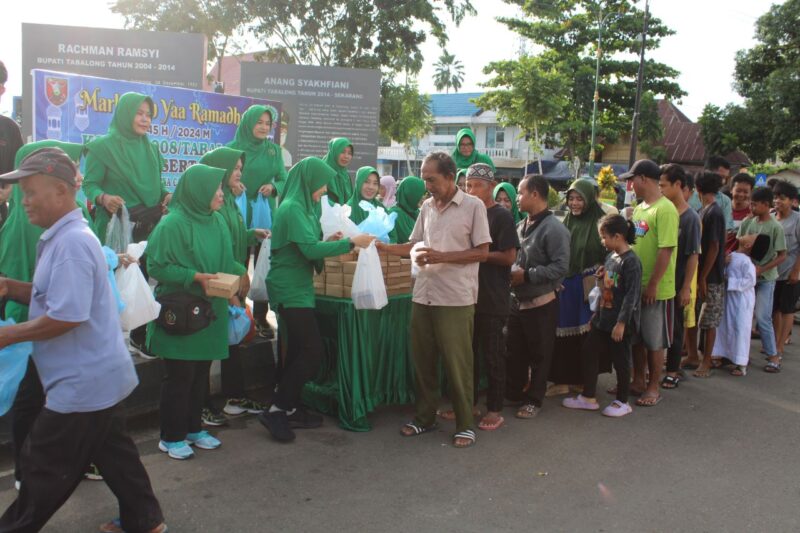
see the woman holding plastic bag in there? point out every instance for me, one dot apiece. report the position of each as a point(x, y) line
point(232, 162)
point(186, 250)
point(263, 178)
point(409, 195)
point(296, 252)
point(367, 186)
point(18, 238)
point(123, 168)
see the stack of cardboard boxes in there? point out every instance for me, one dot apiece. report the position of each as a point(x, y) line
point(337, 278)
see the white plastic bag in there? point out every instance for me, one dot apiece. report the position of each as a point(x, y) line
point(594, 299)
point(336, 218)
point(369, 290)
point(415, 267)
point(258, 286)
point(119, 232)
point(141, 306)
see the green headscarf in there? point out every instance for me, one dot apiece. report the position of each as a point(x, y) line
point(264, 157)
point(126, 153)
point(409, 193)
point(586, 250)
point(340, 189)
point(512, 194)
point(296, 220)
point(226, 159)
point(475, 157)
point(193, 196)
point(357, 215)
point(18, 237)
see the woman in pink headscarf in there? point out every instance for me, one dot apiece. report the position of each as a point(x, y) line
point(387, 191)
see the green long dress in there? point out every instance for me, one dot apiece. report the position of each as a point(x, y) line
point(264, 158)
point(463, 162)
point(296, 246)
point(512, 195)
point(409, 193)
point(124, 163)
point(340, 188)
point(192, 239)
point(18, 237)
point(241, 237)
point(357, 215)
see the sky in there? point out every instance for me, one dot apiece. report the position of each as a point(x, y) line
point(708, 35)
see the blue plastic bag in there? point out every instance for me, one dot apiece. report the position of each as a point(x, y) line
point(13, 364)
point(238, 325)
point(377, 223)
point(262, 215)
point(241, 203)
point(113, 261)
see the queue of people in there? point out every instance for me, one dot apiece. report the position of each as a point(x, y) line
point(503, 284)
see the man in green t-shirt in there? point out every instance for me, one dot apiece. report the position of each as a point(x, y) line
point(656, 221)
point(766, 269)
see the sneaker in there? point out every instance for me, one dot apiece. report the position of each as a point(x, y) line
point(203, 440)
point(580, 402)
point(303, 419)
point(17, 485)
point(277, 424)
point(176, 450)
point(93, 473)
point(617, 409)
point(210, 418)
point(241, 406)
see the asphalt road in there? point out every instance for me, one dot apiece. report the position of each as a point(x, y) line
point(716, 455)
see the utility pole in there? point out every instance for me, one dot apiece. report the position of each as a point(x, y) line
point(601, 20)
point(639, 82)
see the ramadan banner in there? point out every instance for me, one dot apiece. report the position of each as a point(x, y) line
point(186, 123)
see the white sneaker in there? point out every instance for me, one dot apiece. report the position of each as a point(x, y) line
point(617, 409)
point(17, 485)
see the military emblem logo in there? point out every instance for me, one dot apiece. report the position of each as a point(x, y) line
point(57, 89)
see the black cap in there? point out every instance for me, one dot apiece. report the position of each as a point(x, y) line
point(48, 161)
point(643, 167)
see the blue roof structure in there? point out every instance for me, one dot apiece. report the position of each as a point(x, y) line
point(454, 105)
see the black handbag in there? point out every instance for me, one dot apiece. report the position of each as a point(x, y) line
point(183, 313)
point(144, 219)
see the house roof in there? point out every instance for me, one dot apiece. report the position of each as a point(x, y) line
point(454, 105)
point(231, 73)
point(683, 139)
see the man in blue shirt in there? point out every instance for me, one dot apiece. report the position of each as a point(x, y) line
point(83, 364)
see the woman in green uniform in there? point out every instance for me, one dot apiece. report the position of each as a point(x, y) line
point(506, 195)
point(465, 153)
point(409, 193)
point(265, 175)
point(340, 153)
point(18, 239)
point(368, 183)
point(296, 252)
point(185, 251)
point(232, 162)
point(124, 168)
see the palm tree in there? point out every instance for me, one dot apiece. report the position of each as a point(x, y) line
point(449, 73)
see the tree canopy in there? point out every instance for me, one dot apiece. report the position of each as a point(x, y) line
point(567, 30)
point(767, 77)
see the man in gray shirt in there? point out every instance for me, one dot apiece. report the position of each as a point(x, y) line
point(542, 263)
point(81, 358)
point(787, 288)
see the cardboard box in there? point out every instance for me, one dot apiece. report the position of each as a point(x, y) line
point(401, 285)
point(397, 292)
point(344, 258)
point(347, 280)
point(405, 261)
point(336, 291)
point(224, 286)
point(333, 278)
point(349, 267)
point(333, 266)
